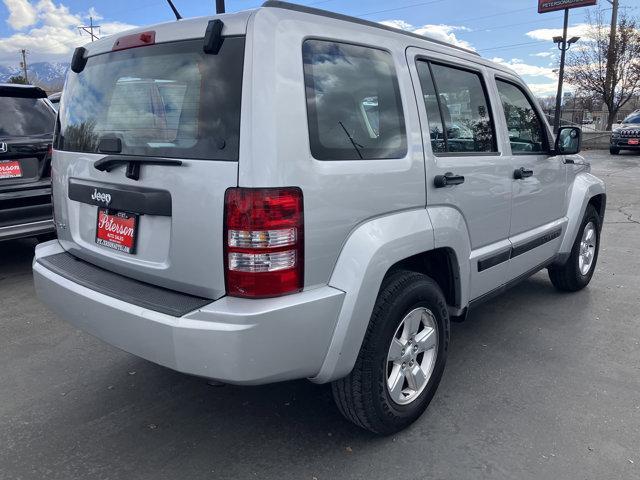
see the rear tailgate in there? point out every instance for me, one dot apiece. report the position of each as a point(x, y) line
point(26, 133)
point(148, 143)
point(24, 159)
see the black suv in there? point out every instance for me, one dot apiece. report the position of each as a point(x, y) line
point(627, 135)
point(27, 121)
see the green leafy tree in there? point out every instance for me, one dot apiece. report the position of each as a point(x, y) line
point(19, 79)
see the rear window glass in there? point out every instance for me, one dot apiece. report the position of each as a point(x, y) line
point(20, 117)
point(167, 100)
point(353, 102)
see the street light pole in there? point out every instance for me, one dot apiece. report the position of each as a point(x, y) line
point(562, 45)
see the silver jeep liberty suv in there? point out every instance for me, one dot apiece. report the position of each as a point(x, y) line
point(287, 193)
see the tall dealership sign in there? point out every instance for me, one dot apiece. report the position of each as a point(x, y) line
point(545, 6)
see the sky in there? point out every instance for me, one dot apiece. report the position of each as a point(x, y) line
point(509, 32)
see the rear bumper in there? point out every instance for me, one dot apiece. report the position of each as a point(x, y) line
point(25, 210)
point(232, 340)
point(622, 144)
point(29, 229)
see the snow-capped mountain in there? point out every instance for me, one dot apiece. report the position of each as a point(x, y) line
point(49, 75)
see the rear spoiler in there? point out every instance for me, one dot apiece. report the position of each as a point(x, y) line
point(26, 91)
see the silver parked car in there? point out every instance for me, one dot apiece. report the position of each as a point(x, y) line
point(287, 193)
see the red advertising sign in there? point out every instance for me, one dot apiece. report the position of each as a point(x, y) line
point(10, 169)
point(545, 6)
point(117, 230)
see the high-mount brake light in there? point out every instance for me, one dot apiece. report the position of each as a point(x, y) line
point(135, 40)
point(264, 241)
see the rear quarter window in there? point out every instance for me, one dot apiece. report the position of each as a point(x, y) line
point(354, 108)
point(170, 100)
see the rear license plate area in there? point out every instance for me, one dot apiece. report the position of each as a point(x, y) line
point(117, 230)
point(10, 169)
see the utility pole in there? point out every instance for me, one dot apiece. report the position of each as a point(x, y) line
point(24, 65)
point(220, 6)
point(611, 51)
point(89, 29)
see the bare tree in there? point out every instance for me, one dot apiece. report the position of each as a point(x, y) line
point(547, 103)
point(587, 65)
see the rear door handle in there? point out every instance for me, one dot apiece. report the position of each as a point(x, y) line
point(521, 173)
point(447, 179)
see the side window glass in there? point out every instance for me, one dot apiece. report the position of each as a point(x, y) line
point(354, 107)
point(526, 133)
point(436, 132)
point(464, 107)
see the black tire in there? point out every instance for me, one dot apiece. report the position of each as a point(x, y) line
point(362, 396)
point(568, 277)
point(614, 151)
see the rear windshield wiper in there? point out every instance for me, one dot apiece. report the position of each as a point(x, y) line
point(108, 163)
point(353, 142)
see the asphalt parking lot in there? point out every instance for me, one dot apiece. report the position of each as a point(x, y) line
point(538, 385)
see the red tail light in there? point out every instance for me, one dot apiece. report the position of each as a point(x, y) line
point(264, 241)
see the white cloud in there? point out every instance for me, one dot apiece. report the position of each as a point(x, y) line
point(401, 24)
point(444, 33)
point(94, 13)
point(542, 54)
point(53, 34)
point(110, 28)
point(545, 89)
point(21, 14)
point(525, 69)
point(580, 30)
point(56, 15)
point(43, 41)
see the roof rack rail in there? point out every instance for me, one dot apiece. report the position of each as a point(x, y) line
point(359, 21)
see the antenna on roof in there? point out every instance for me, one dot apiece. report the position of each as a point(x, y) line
point(175, 10)
point(219, 6)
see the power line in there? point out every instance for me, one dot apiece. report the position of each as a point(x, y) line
point(399, 8)
point(509, 25)
point(513, 45)
point(89, 29)
point(319, 2)
point(516, 45)
point(494, 15)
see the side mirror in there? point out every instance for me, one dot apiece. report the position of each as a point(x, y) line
point(568, 141)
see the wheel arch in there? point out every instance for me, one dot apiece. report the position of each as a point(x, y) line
point(440, 264)
point(586, 189)
point(599, 202)
point(376, 248)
